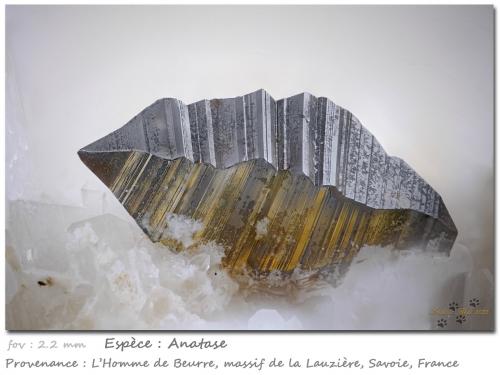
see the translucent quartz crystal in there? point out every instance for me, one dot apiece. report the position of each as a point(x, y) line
point(71, 268)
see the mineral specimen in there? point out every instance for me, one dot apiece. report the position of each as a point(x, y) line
point(292, 184)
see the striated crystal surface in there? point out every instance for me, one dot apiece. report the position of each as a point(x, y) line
point(294, 184)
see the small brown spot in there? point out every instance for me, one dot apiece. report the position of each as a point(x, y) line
point(47, 282)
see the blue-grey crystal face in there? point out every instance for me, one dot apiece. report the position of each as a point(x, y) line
point(302, 133)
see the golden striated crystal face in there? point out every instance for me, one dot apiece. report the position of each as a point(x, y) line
point(267, 220)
